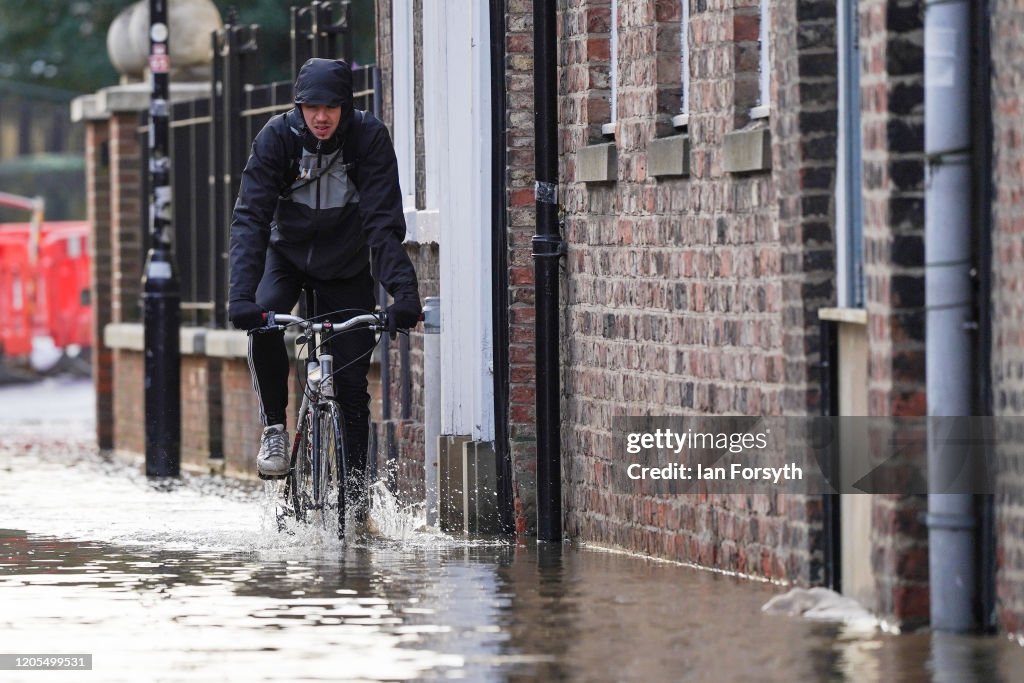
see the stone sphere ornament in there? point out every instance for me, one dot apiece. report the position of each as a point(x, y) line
point(191, 23)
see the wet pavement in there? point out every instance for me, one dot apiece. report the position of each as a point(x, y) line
point(191, 581)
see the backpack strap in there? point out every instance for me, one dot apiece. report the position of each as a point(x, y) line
point(296, 154)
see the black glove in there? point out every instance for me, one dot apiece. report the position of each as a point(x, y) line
point(403, 314)
point(245, 315)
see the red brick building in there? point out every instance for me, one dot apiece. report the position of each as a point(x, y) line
point(743, 187)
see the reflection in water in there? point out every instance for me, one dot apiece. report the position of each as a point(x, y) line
point(190, 581)
point(382, 610)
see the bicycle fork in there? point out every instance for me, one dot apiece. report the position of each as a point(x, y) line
point(319, 379)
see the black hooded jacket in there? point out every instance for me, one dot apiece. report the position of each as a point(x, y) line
point(322, 205)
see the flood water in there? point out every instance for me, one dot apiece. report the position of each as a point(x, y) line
point(191, 581)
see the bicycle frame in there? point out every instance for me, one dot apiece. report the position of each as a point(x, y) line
point(317, 398)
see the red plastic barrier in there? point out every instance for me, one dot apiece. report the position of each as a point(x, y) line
point(51, 297)
point(16, 282)
point(63, 293)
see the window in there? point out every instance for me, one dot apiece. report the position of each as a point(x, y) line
point(683, 118)
point(764, 65)
point(613, 72)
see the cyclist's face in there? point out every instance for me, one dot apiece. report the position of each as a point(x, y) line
point(321, 119)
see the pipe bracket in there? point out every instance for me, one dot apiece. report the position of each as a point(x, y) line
point(549, 246)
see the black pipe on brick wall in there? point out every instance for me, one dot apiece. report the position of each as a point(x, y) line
point(547, 249)
point(982, 202)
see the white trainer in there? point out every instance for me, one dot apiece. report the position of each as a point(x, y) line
point(272, 460)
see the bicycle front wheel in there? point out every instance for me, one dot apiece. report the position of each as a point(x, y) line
point(330, 440)
point(302, 473)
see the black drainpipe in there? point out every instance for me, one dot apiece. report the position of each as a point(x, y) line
point(499, 269)
point(547, 249)
point(831, 523)
point(982, 197)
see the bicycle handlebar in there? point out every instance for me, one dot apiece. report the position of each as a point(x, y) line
point(375, 321)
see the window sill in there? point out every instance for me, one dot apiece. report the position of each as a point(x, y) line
point(669, 157)
point(597, 163)
point(748, 150)
point(762, 111)
point(422, 226)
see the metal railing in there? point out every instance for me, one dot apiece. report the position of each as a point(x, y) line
point(211, 138)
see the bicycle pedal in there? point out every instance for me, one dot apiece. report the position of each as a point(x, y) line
point(271, 477)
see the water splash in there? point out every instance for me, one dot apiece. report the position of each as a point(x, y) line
point(392, 519)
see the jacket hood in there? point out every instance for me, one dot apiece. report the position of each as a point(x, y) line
point(329, 82)
point(324, 81)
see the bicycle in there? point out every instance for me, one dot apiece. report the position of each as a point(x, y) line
point(315, 484)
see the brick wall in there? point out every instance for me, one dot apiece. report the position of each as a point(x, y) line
point(125, 212)
point(1007, 282)
point(421, 165)
point(97, 175)
point(384, 60)
point(804, 115)
point(693, 295)
point(195, 413)
point(892, 95)
point(241, 412)
point(519, 179)
point(408, 428)
point(129, 403)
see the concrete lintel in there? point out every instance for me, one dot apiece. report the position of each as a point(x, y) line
point(748, 150)
point(597, 163)
point(124, 336)
point(227, 344)
point(669, 156)
point(854, 316)
point(136, 96)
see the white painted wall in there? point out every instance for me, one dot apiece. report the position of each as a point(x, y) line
point(404, 130)
point(457, 131)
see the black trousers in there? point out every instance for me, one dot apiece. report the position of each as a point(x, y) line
point(278, 291)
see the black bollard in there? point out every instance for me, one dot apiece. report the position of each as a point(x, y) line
point(161, 296)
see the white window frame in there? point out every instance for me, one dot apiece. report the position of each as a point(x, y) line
point(404, 133)
point(682, 119)
point(613, 72)
point(764, 81)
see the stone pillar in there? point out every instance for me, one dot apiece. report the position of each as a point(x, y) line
point(97, 180)
point(126, 230)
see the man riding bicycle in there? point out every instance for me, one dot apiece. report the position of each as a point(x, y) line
point(320, 189)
